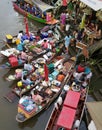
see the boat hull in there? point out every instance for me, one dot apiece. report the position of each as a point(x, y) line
point(32, 17)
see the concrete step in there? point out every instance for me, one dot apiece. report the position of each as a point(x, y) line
point(97, 95)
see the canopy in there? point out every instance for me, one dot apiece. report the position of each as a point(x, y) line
point(29, 1)
point(42, 6)
point(95, 111)
point(94, 4)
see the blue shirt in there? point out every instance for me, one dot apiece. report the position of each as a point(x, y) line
point(67, 40)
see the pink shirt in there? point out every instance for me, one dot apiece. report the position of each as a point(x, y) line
point(63, 18)
point(45, 45)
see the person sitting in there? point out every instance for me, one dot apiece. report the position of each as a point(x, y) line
point(26, 80)
point(45, 44)
point(28, 67)
point(36, 97)
point(80, 35)
point(24, 55)
point(80, 68)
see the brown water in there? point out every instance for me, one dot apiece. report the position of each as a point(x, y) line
point(10, 23)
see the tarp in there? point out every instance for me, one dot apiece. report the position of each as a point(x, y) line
point(42, 6)
point(66, 118)
point(95, 111)
point(72, 99)
point(94, 4)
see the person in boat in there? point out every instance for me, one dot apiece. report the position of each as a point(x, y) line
point(81, 34)
point(88, 73)
point(36, 97)
point(23, 56)
point(26, 80)
point(28, 67)
point(45, 44)
point(20, 46)
point(20, 34)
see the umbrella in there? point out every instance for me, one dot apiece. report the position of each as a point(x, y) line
point(46, 72)
point(26, 26)
point(82, 24)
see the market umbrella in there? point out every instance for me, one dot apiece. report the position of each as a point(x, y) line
point(26, 26)
point(94, 4)
point(82, 24)
point(46, 72)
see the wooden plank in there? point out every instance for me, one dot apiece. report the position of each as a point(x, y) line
point(7, 44)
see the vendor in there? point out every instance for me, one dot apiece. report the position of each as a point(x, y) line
point(36, 97)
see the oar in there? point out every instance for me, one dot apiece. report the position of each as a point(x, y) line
point(7, 44)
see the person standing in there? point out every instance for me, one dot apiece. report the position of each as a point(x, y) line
point(67, 41)
point(62, 20)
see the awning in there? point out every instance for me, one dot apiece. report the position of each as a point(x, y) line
point(29, 1)
point(42, 6)
point(95, 111)
point(94, 4)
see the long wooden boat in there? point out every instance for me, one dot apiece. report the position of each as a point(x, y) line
point(34, 17)
point(68, 113)
point(49, 91)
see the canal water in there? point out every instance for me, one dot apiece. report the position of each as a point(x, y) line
point(11, 23)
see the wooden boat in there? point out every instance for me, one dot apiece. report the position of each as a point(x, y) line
point(51, 89)
point(43, 7)
point(68, 113)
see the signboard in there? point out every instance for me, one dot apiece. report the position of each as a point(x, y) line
point(84, 49)
point(80, 45)
point(94, 4)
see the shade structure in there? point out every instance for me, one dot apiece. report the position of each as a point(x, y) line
point(42, 5)
point(94, 4)
point(46, 72)
point(66, 118)
point(72, 99)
